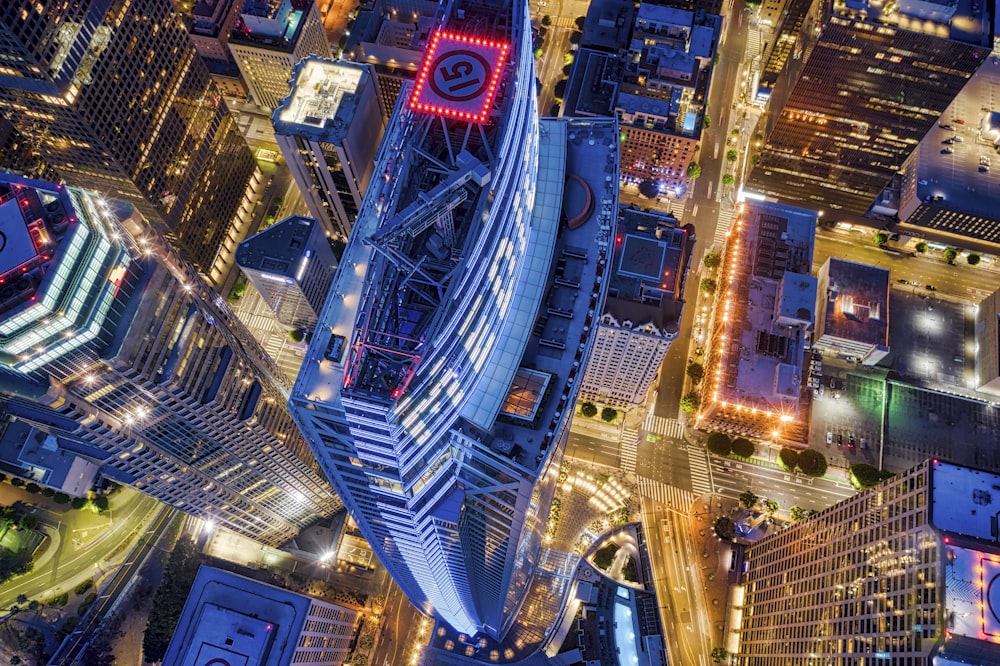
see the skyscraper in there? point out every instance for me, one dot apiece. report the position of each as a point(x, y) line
point(269, 37)
point(901, 573)
point(438, 385)
point(853, 86)
point(329, 129)
point(291, 265)
point(109, 339)
point(117, 100)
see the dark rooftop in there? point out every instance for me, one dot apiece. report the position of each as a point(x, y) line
point(857, 302)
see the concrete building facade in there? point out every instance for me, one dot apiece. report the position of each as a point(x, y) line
point(291, 265)
point(329, 129)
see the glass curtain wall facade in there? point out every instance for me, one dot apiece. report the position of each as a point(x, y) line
point(115, 98)
point(108, 338)
point(852, 90)
point(429, 316)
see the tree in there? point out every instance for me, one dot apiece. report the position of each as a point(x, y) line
point(881, 238)
point(61, 498)
point(29, 521)
point(588, 409)
point(973, 259)
point(296, 335)
point(708, 285)
point(748, 500)
point(101, 503)
point(21, 599)
point(743, 447)
point(17, 483)
point(798, 513)
point(812, 462)
point(690, 402)
point(33, 488)
point(866, 476)
point(708, 121)
point(696, 371)
point(78, 502)
point(732, 155)
point(728, 179)
point(178, 577)
point(770, 506)
point(580, 21)
point(921, 247)
point(693, 170)
point(609, 414)
point(724, 528)
point(48, 492)
point(712, 260)
point(546, 20)
point(719, 654)
point(648, 188)
point(950, 254)
point(719, 443)
point(788, 458)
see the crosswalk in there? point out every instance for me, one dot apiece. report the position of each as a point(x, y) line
point(701, 479)
point(726, 214)
point(628, 449)
point(675, 498)
point(664, 426)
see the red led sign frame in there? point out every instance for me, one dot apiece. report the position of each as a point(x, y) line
point(459, 76)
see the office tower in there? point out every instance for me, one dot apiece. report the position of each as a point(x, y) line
point(901, 573)
point(987, 348)
point(852, 310)
point(438, 385)
point(291, 265)
point(117, 101)
point(642, 312)
point(853, 86)
point(269, 37)
point(110, 339)
point(760, 330)
point(329, 129)
point(231, 619)
point(653, 75)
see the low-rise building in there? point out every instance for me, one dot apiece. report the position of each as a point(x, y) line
point(852, 310)
point(643, 308)
point(763, 317)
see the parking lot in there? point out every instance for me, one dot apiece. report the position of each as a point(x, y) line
point(929, 338)
point(851, 407)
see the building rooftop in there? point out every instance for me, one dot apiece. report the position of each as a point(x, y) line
point(48, 459)
point(756, 356)
point(270, 24)
point(608, 24)
point(593, 87)
point(856, 302)
point(960, 20)
point(965, 503)
point(323, 98)
point(648, 267)
point(280, 248)
point(229, 619)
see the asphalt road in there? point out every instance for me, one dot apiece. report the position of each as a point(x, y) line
point(86, 546)
point(549, 69)
point(403, 629)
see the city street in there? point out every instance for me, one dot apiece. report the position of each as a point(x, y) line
point(84, 545)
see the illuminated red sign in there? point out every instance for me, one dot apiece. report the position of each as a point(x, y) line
point(459, 76)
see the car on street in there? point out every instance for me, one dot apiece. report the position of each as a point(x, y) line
point(931, 287)
point(829, 437)
point(947, 151)
point(864, 443)
point(840, 439)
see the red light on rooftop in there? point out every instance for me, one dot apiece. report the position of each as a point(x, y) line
point(947, 540)
point(459, 76)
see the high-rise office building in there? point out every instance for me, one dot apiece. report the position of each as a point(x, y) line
point(110, 339)
point(438, 386)
point(329, 129)
point(269, 38)
point(852, 87)
point(901, 573)
point(231, 619)
point(116, 100)
point(291, 265)
point(642, 312)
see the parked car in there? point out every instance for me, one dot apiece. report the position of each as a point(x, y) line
point(829, 437)
point(931, 287)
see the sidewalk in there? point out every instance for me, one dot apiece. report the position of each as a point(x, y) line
point(714, 560)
